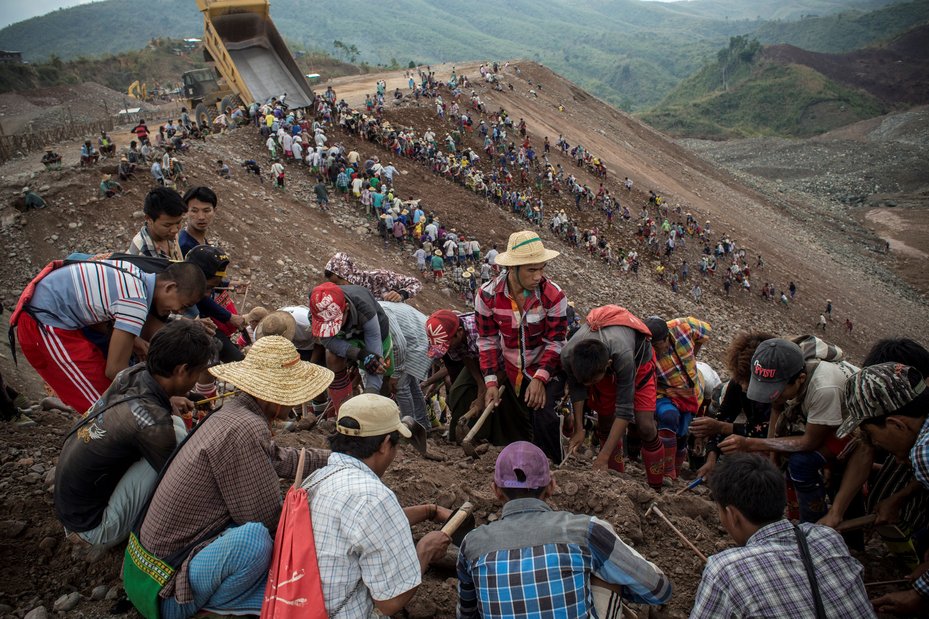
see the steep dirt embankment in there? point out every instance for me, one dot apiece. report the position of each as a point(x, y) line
point(280, 241)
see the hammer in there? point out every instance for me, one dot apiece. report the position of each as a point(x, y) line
point(466, 443)
point(654, 508)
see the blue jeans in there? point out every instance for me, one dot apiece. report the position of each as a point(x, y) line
point(410, 399)
point(805, 470)
point(229, 575)
point(670, 418)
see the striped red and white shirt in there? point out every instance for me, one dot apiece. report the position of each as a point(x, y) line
point(88, 293)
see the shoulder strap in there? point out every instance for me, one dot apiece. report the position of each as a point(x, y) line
point(88, 418)
point(811, 574)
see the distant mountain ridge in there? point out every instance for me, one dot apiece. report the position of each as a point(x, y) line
point(629, 52)
point(785, 90)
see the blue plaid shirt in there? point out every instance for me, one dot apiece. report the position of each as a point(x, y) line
point(919, 458)
point(766, 577)
point(536, 562)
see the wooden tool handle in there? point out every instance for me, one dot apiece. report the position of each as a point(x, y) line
point(480, 420)
point(455, 521)
point(300, 463)
point(856, 523)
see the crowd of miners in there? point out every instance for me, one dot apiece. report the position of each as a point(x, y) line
point(173, 457)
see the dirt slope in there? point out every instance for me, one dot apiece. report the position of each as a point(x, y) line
point(896, 73)
point(280, 241)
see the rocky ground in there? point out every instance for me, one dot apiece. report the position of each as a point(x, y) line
point(861, 185)
point(280, 241)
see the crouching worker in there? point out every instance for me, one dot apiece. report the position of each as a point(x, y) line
point(216, 508)
point(536, 562)
point(110, 460)
point(367, 558)
point(779, 569)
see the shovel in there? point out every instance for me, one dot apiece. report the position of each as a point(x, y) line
point(418, 438)
point(466, 443)
point(460, 523)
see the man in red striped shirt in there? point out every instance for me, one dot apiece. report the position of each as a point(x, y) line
point(79, 324)
point(522, 323)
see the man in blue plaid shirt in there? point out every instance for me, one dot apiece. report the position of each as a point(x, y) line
point(536, 562)
point(766, 575)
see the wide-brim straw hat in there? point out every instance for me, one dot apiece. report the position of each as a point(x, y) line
point(277, 323)
point(273, 371)
point(525, 247)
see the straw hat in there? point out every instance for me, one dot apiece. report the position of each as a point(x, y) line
point(277, 323)
point(272, 371)
point(525, 247)
point(438, 252)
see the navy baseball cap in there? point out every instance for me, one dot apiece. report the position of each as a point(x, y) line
point(774, 363)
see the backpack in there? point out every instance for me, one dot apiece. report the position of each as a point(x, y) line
point(148, 264)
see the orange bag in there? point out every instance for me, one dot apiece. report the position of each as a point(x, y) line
point(294, 589)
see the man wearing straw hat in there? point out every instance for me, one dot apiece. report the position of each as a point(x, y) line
point(366, 554)
point(537, 562)
point(221, 493)
point(522, 318)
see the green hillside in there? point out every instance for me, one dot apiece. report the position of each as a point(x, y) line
point(744, 95)
point(845, 31)
point(629, 52)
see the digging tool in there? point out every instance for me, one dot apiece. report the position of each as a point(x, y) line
point(567, 457)
point(462, 429)
point(301, 461)
point(884, 583)
point(466, 443)
point(856, 523)
point(215, 397)
point(654, 508)
point(460, 523)
point(418, 440)
point(689, 486)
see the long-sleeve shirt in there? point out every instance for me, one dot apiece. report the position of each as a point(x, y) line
point(366, 323)
point(530, 340)
point(536, 562)
point(766, 577)
point(627, 349)
point(677, 368)
point(227, 473)
point(919, 458)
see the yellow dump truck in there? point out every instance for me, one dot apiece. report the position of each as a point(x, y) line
point(250, 57)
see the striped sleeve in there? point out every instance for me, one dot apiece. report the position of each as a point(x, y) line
point(556, 330)
point(617, 563)
point(128, 298)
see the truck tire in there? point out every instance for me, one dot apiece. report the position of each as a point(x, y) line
point(229, 101)
point(202, 115)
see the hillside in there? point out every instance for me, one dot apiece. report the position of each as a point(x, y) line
point(786, 91)
point(159, 64)
point(628, 52)
point(280, 241)
point(845, 31)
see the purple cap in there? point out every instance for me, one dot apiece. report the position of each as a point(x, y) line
point(522, 465)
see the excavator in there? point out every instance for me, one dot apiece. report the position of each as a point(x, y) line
point(251, 62)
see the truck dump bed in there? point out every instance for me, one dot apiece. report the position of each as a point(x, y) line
point(251, 54)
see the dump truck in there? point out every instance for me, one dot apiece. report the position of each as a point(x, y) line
point(250, 59)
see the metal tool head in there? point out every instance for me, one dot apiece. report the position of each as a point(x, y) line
point(653, 506)
point(418, 438)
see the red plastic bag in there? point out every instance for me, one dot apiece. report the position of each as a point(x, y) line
point(294, 589)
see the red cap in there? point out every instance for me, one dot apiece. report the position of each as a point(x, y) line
point(440, 328)
point(327, 304)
